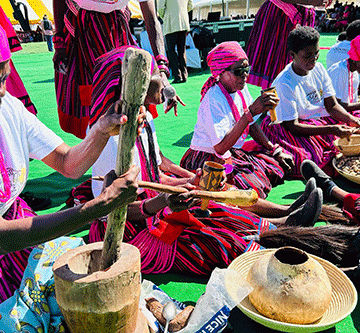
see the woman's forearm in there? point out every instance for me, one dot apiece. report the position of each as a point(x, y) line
point(300, 129)
point(259, 136)
point(140, 210)
point(153, 27)
point(232, 136)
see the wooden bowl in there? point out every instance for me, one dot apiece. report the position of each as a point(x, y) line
point(348, 146)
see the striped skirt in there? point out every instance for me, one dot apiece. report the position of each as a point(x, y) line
point(267, 50)
point(12, 265)
point(318, 148)
point(88, 35)
point(202, 244)
point(251, 169)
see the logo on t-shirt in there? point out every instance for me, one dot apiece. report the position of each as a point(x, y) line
point(314, 97)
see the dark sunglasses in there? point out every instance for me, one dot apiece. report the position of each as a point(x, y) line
point(3, 79)
point(240, 71)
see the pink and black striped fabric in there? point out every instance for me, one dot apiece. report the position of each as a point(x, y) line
point(318, 148)
point(107, 81)
point(88, 35)
point(253, 169)
point(12, 265)
point(267, 46)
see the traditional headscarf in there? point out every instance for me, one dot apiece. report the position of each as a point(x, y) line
point(220, 58)
point(354, 52)
point(5, 53)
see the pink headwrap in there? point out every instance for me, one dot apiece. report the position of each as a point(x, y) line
point(5, 53)
point(220, 58)
point(354, 53)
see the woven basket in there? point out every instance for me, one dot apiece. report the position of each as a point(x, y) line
point(343, 300)
point(348, 146)
point(355, 179)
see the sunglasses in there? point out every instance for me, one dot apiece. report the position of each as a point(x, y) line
point(240, 71)
point(3, 79)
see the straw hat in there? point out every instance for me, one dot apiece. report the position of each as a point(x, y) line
point(343, 300)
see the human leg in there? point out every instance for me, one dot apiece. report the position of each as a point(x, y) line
point(267, 208)
point(309, 169)
point(181, 50)
point(171, 40)
point(49, 42)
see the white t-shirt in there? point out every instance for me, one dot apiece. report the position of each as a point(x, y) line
point(302, 97)
point(215, 119)
point(103, 6)
point(339, 74)
point(337, 52)
point(22, 136)
point(107, 159)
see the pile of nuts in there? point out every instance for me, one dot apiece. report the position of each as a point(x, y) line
point(349, 165)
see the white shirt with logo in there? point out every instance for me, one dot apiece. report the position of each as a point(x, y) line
point(302, 97)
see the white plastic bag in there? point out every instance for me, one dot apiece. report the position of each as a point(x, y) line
point(226, 288)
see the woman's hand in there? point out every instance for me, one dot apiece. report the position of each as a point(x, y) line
point(172, 103)
point(120, 191)
point(110, 122)
point(180, 202)
point(286, 161)
point(343, 130)
point(265, 102)
point(60, 60)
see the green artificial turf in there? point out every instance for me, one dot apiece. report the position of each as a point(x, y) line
point(34, 64)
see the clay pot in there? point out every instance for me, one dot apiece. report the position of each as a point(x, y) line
point(100, 301)
point(289, 286)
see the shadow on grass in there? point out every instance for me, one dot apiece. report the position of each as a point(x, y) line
point(46, 81)
point(54, 186)
point(184, 141)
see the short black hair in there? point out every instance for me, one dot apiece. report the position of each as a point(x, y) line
point(342, 36)
point(301, 37)
point(353, 30)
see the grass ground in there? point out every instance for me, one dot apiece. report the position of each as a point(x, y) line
point(34, 64)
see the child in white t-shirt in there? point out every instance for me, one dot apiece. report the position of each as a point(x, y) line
point(309, 116)
point(345, 78)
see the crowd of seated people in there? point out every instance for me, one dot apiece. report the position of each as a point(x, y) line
point(337, 16)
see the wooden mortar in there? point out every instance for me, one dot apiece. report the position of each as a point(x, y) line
point(94, 301)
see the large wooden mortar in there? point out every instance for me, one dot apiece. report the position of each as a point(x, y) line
point(100, 301)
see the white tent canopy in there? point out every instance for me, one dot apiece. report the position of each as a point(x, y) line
point(226, 7)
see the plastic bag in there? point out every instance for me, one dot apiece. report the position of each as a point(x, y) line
point(226, 288)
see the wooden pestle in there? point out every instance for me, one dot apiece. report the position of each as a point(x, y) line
point(233, 197)
point(136, 71)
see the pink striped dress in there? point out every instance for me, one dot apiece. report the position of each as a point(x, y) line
point(267, 50)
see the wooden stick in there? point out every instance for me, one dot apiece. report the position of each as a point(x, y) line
point(233, 197)
point(135, 70)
